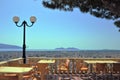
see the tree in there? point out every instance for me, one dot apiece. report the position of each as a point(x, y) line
point(108, 9)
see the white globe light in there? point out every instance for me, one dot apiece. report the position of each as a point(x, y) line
point(32, 19)
point(16, 19)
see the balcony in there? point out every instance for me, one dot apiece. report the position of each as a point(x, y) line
point(38, 68)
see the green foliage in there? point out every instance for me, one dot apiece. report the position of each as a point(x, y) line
point(117, 23)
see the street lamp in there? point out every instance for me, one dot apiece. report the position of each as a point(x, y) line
point(24, 24)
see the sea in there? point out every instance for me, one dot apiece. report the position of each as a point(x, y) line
point(7, 54)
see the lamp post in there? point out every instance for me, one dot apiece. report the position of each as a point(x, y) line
point(24, 24)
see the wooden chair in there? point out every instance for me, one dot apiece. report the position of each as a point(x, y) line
point(3, 77)
point(28, 76)
point(9, 77)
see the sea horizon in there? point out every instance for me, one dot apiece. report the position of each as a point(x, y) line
point(59, 50)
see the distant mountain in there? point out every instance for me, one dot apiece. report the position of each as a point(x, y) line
point(67, 49)
point(7, 46)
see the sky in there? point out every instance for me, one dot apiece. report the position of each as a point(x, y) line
point(55, 28)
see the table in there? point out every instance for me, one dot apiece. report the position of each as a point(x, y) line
point(99, 61)
point(43, 66)
point(46, 61)
point(15, 70)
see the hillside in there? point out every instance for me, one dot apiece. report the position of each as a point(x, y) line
point(7, 46)
point(67, 49)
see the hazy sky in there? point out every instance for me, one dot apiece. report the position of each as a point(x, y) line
point(55, 28)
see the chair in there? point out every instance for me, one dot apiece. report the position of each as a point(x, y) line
point(9, 77)
point(28, 76)
point(2, 77)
